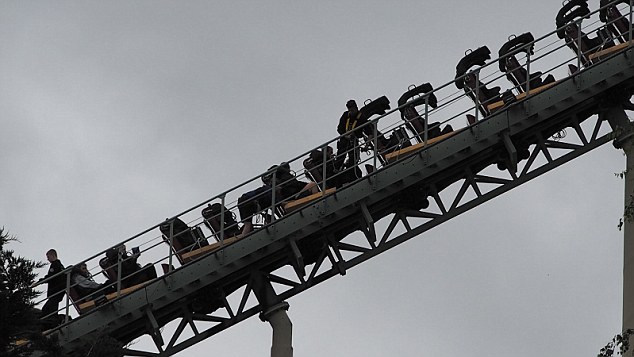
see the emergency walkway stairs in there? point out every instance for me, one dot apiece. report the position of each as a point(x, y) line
point(415, 190)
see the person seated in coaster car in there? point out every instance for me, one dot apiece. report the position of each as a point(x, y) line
point(473, 87)
point(414, 121)
point(515, 73)
point(614, 21)
point(568, 21)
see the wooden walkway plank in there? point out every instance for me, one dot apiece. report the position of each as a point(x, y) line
point(296, 204)
point(500, 104)
point(393, 156)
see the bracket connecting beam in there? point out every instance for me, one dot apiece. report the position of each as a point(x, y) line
point(511, 150)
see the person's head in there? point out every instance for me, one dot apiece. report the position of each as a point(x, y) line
point(51, 255)
point(352, 107)
point(113, 253)
point(316, 155)
point(82, 269)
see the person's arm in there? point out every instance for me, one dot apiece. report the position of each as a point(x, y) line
point(341, 128)
point(84, 282)
point(368, 130)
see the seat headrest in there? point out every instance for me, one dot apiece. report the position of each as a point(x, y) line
point(475, 58)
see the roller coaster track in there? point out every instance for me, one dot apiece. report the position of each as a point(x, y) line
point(248, 277)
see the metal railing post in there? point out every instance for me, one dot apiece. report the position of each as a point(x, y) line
point(67, 295)
point(273, 183)
point(375, 142)
point(426, 125)
point(171, 241)
point(579, 52)
point(528, 70)
point(222, 218)
point(477, 95)
point(119, 258)
point(629, 36)
point(324, 155)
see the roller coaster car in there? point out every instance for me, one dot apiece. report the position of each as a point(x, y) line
point(378, 106)
point(212, 215)
point(413, 121)
point(84, 303)
point(134, 274)
point(467, 81)
point(314, 166)
point(511, 66)
point(615, 22)
point(568, 20)
point(185, 238)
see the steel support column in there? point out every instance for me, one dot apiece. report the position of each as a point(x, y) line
point(622, 126)
point(282, 344)
point(274, 314)
point(628, 240)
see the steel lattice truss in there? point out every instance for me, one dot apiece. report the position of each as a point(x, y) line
point(340, 255)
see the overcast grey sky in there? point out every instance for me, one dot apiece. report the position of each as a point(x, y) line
point(115, 115)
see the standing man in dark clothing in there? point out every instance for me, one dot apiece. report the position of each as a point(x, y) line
point(55, 291)
point(354, 117)
point(351, 119)
point(348, 144)
point(349, 123)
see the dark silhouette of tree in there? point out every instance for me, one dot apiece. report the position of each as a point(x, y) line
point(20, 325)
point(18, 317)
point(618, 346)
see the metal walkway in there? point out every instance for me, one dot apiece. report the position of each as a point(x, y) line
point(247, 277)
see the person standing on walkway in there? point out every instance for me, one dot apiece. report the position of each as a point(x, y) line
point(55, 291)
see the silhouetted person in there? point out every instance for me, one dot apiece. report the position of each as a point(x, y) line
point(132, 273)
point(287, 187)
point(351, 126)
point(214, 221)
point(414, 122)
point(56, 286)
point(315, 165)
point(348, 150)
